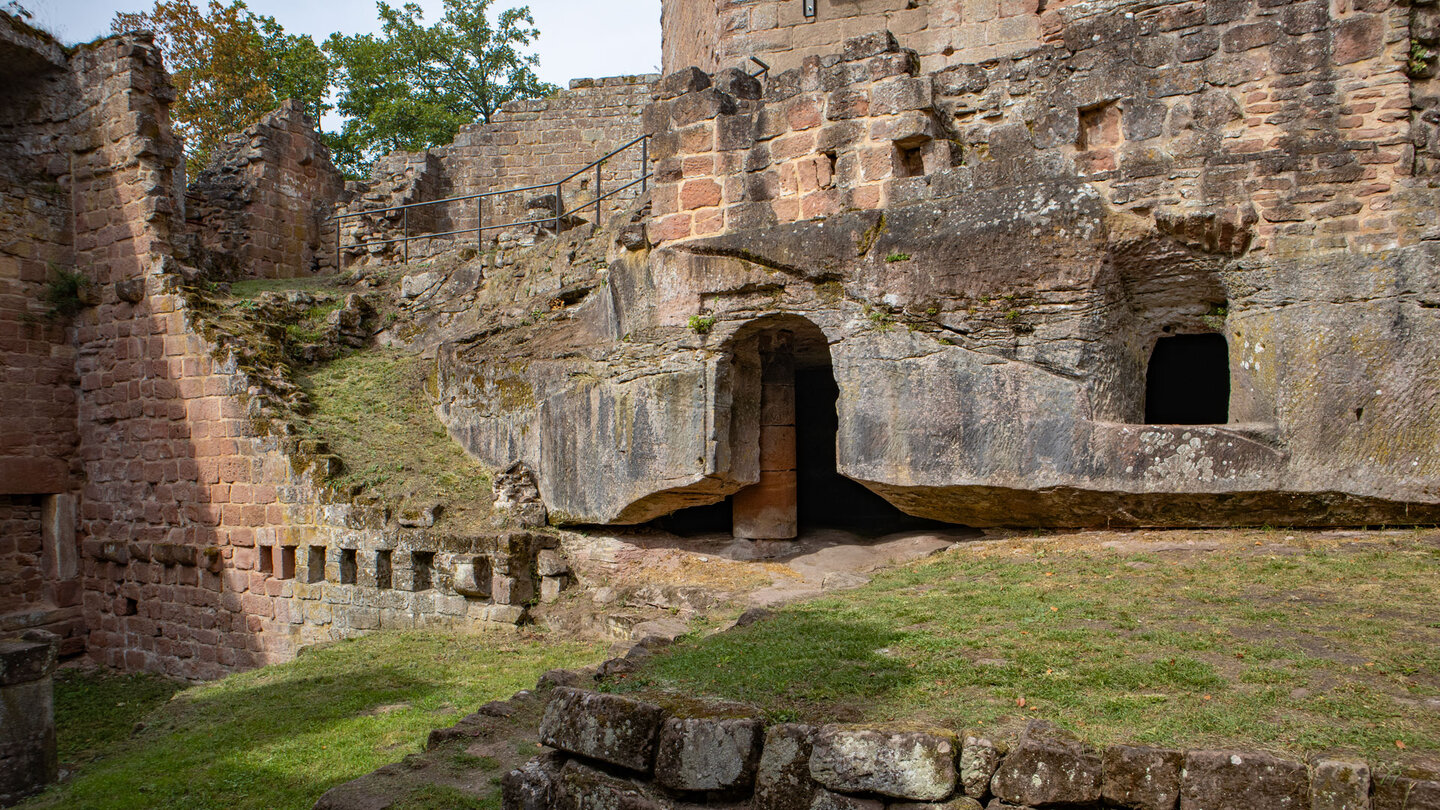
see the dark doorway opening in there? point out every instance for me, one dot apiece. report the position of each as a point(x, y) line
point(824, 498)
point(1188, 381)
point(827, 499)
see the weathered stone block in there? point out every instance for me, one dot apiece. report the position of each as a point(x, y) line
point(1339, 784)
point(532, 785)
point(28, 759)
point(708, 753)
point(1048, 767)
point(1406, 792)
point(916, 765)
point(783, 781)
point(1223, 779)
point(1141, 778)
point(979, 758)
point(611, 728)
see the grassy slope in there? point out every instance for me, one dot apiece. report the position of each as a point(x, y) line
point(375, 410)
point(1332, 648)
point(280, 736)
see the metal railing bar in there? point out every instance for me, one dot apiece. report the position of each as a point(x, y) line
point(601, 159)
point(607, 195)
point(480, 226)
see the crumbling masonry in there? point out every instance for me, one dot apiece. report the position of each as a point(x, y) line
point(947, 251)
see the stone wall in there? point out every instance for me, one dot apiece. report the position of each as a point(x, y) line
point(667, 751)
point(260, 209)
point(717, 34)
point(527, 143)
point(992, 253)
point(208, 538)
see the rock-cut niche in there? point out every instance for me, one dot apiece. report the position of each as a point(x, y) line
point(784, 407)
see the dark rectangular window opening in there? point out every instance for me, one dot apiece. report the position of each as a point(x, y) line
point(423, 564)
point(287, 562)
point(383, 571)
point(348, 566)
point(909, 161)
point(315, 565)
point(1188, 381)
point(267, 561)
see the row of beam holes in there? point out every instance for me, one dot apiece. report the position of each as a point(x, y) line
point(422, 563)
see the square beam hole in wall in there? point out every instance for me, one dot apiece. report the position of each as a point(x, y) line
point(1188, 381)
point(1100, 127)
point(422, 563)
point(315, 564)
point(287, 562)
point(267, 559)
point(384, 573)
point(909, 160)
point(349, 567)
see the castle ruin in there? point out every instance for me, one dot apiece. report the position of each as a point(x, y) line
point(986, 263)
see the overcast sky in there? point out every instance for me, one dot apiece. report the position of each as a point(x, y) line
point(578, 38)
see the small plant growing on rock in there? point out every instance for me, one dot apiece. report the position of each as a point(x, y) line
point(897, 257)
point(66, 293)
point(702, 324)
point(881, 319)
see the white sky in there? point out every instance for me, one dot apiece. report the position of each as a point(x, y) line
point(578, 38)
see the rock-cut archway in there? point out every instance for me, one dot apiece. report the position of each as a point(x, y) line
point(783, 407)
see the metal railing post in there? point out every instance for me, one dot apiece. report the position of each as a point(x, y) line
point(557, 208)
point(479, 224)
point(405, 232)
point(339, 257)
point(596, 226)
point(644, 162)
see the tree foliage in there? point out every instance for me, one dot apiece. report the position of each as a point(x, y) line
point(408, 87)
point(413, 85)
point(230, 67)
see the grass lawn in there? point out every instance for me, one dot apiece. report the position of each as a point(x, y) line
point(279, 737)
point(1292, 642)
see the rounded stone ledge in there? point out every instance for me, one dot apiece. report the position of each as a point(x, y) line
point(911, 764)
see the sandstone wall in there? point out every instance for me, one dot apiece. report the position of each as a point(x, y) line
point(260, 209)
point(207, 538)
point(719, 34)
point(661, 750)
point(690, 35)
point(38, 434)
point(992, 252)
point(528, 143)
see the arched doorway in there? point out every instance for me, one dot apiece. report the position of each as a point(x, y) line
point(784, 399)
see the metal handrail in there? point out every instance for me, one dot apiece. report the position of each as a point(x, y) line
point(481, 227)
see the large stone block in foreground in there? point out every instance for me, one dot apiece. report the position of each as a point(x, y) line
point(611, 728)
point(27, 717)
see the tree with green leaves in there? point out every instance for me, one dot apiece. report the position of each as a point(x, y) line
point(413, 86)
point(230, 67)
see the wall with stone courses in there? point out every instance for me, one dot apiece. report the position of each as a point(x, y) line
point(662, 750)
point(543, 140)
point(208, 540)
point(527, 143)
point(37, 436)
point(725, 33)
point(259, 209)
point(1297, 112)
point(689, 35)
point(22, 583)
